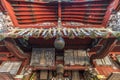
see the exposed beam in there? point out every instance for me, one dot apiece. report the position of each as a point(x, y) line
point(15, 50)
point(113, 5)
point(59, 9)
point(118, 7)
point(82, 20)
point(84, 9)
point(84, 13)
point(28, 9)
point(65, 24)
point(22, 13)
point(33, 5)
point(79, 10)
point(37, 20)
point(59, 13)
point(85, 18)
point(36, 2)
point(10, 12)
point(2, 7)
point(90, 11)
point(84, 1)
point(107, 47)
point(38, 17)
point(85, 5)
point(42, 10)
point(43, 2)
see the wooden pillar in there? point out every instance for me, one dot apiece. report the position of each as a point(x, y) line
point(107, 47)
point(16, 51)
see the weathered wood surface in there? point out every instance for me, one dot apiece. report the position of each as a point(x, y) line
point(114, 76)
point(16, 51)
point(43, 57)
point(9, 66)
point(107, 47)
point(76, 57)
point(106, 61)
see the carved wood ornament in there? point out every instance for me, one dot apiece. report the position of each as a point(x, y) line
point(16, 51)
point(107, 47)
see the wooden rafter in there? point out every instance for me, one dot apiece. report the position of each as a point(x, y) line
point(113, 5)
point(31, 13)
point(2, 7)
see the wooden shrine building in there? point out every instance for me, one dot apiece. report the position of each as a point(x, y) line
point(59, 39)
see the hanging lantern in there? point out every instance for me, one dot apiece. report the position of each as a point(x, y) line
point(59, 43)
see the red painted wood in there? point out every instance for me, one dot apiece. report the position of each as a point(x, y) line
point(2, 7)
point(113, 5)
point(106, 70)
point(109, 44)
point(81, 20)
point(59, 10)
point(11, 13)
point(86, 12)
point(16, 51)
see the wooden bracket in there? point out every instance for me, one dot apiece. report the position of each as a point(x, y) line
point(107, 47)
point(15, 50)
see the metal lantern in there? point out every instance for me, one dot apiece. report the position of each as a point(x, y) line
point(59, 43)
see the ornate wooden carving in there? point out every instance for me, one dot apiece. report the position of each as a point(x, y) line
point(108, 45)
point(15, 50)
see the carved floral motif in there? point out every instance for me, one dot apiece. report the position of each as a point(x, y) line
point(114, 21)
point(5, 23)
